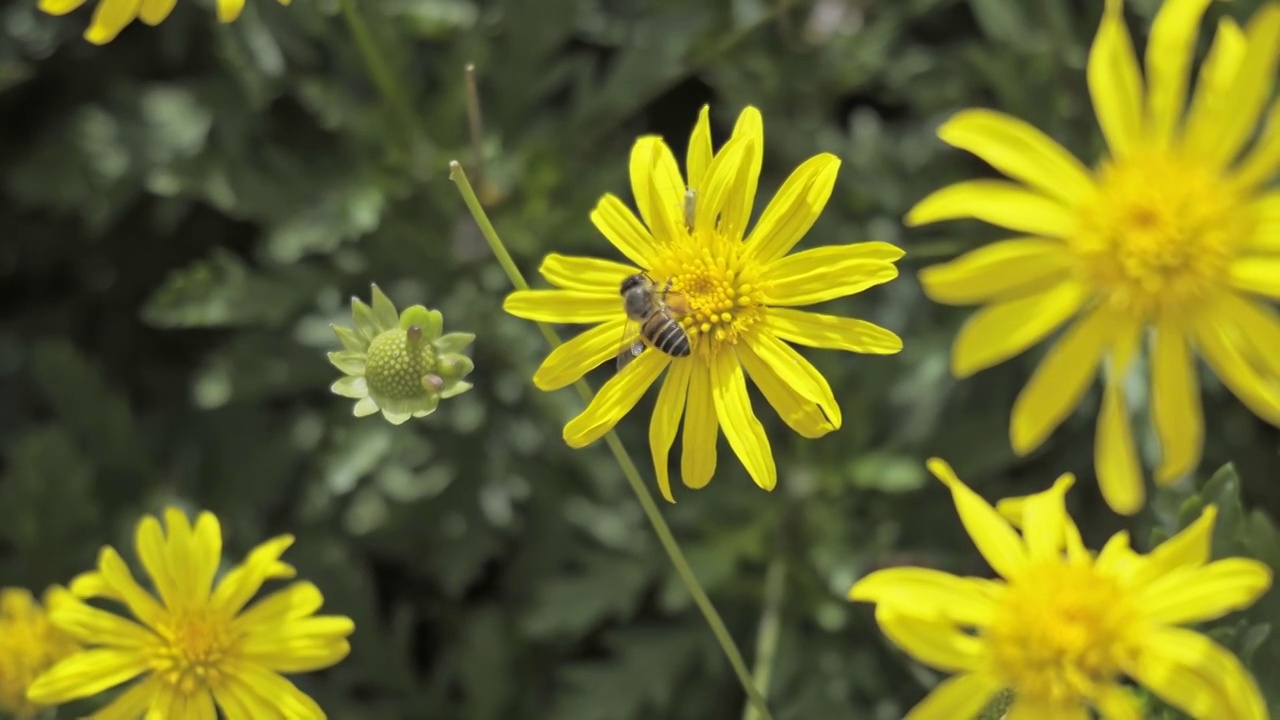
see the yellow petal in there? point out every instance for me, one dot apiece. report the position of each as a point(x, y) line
point(140, 602)
point(1246, 97)
point(1170, 48)
point(931, 595)
point(238, 586)
point(1197, 676)
point(59, 7)
point(800, 412)
point(564, 306)
point(658, 188)
point(1225, 348)
point(794, 209)
point(583, 273)
point(284, 695)
point(939, 644)
point(585, 352)
point(1115, 83)
point(109, 18)
point(798, 373)
point(741, 427)
point(229, 10)
point(724, 180)
point(300, 657)
point(1018, 511)
point(665, 422)
point(991, 534)
point(1263, 161)
point(843, 266)
point(998, 271)
point(698, 156)
point(131, 704)
point(1267, 232)
point(1195, 595)
point(93, 625)
point(827, 282)
point(1117, 702)
point(1046, 519)
point(1020, 151)
point(831, 332)
point(86, 674)
point(615, 399)
point(1116, 457)
point(998, 332)
point(148, 540)
point(1059, 382)
point(1189, 549)
point(1175, 403)
point(619, 225)
point(1257, 274)
point(962, 696)
point(298, 600)
point(154, 12)
point(1217, 74)
point(749, 131)
point(701, 429)
point(998, 202)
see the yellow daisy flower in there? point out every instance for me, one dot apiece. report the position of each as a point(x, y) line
point(737, 302)
point(29, 645)
point(1173, 233)
point(112, 16)
point(1062, 627)
point(196, 644)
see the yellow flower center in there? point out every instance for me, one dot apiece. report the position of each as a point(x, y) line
point(396, 362)
point(195, 648)
point(1159, 235)
point(1061, 632)
point(720, 288)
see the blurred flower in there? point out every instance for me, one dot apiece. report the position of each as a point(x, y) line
point(1062, 627)
point(399, 364)
point(194, 645)
point(112, 16)
point(29, 645)
point(1174, 233)
point(739, 294)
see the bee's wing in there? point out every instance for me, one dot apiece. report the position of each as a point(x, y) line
point(630, 347)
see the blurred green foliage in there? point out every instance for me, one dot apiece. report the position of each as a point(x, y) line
point(184, 211)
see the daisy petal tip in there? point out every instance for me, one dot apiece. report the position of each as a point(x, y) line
point(942, 470)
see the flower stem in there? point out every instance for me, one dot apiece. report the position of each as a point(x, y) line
point(629, 469)
point(769, 630)
point(381, 73)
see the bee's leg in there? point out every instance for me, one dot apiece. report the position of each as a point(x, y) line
point(666, 289)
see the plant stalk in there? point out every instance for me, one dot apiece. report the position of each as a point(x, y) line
point(770, 629)
point(629, 469)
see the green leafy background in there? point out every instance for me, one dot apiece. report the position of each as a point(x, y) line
point(185, 211)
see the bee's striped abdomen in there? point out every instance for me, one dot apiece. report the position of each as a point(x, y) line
point(667, 335)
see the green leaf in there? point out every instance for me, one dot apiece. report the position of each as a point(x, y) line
point(607, 587)
point(223, 291)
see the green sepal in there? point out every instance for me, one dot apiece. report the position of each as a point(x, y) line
point(366, 320)
point(348, 361)
point(349, 338)
point(384, 311)
point(431, 321)
point(455, 389)
point(454, 342)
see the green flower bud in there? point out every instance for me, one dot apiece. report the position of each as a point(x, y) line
point(398, 363)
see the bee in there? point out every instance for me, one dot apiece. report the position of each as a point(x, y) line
point(654, 315)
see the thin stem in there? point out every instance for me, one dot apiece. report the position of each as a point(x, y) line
point(770, 629)
point(380, 72)
point(629, 469)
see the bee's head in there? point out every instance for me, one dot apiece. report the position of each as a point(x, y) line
point(632, 282)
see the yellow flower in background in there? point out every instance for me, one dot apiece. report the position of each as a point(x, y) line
point(738, 292)
point(29, 645)
point(112, 16)
point(195, 644)
point(1174, 237)
point(1064, 628)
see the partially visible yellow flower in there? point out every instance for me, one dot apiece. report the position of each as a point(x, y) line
point(195, 644)
point(738, 289)
point(1062, 627)
point(29, 645)
point(1173, 239)
point(112, 16)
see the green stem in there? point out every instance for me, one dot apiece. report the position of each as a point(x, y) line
point(629, 469)
point(381, 74)
point(770, 629)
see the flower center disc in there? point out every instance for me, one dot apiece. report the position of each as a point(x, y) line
point(395, 365)
point(1061, 632)
point(1160, 234)
point(196, 647)
point(718, 297)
